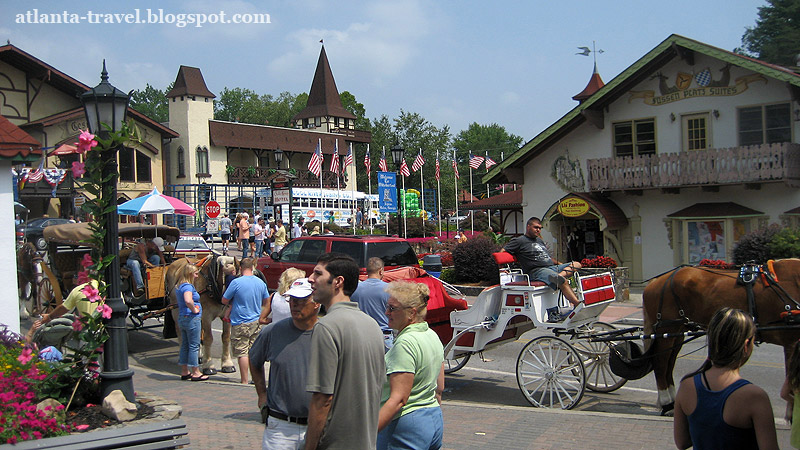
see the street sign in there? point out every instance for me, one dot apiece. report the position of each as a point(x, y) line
point(212, 226)
point(212, 209)
point(280, 196)
point(387, 192)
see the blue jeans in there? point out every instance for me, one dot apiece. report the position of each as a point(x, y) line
point(421, 429)
point(136, 268)
point(190, 340)
point(245, 247)
point(543, 274)
point(259, 248)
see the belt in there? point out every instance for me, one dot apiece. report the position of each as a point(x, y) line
point(387, 331)
point(297, 420)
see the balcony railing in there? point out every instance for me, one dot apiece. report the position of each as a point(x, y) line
point(718, 166)
point(262, 176)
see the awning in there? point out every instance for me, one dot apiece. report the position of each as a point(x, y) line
point(509, 200)
point(715, 210)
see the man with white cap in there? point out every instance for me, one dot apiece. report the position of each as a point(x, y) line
point(150, 254)
point(286, 344)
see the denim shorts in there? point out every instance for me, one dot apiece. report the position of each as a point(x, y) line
point(544, 274)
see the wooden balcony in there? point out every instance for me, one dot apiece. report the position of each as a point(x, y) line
point(262, 176)
point(714, 167)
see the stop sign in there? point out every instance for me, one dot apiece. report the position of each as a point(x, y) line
point(212, 209)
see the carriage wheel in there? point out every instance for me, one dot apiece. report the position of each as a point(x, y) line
point(550, 373)
point(45, 299)
point(599, 377)
point(455, 364)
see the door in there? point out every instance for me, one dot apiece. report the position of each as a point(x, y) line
point(696, 134)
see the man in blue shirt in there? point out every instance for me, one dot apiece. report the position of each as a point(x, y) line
point(247, 294)
point(372, 298)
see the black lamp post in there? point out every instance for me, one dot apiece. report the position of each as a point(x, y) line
point(398, 153)
point(105, 104)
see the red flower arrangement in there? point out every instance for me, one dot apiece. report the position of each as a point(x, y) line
point(716, 264)
point(600, 262)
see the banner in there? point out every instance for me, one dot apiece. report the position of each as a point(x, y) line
point(387, 192)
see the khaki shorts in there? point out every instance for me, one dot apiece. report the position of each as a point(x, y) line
point(243, 336)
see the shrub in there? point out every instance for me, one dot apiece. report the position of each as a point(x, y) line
point(447, 258)
point(602, 262)
point(448, 275)
point(474, 263)
point(754, 246)
point(785, 243)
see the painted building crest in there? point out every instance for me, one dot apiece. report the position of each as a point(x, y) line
point(695, 84)
point(568, 174)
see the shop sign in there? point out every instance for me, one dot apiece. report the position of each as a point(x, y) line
point(573, 207)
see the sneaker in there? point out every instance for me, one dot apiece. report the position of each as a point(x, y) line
point(553, 315)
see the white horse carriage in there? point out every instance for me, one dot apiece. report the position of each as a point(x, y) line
point(552, 371)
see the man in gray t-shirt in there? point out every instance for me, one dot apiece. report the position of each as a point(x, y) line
point(225, 225)
point(286, 344)
point(346, 370)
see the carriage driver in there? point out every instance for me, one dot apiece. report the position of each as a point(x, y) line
point(532, 255)
point(150, 254)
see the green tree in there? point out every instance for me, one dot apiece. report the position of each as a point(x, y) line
point(152, 102)
point(247, 106)
point(350, 103)
point(776, 36)
point(481, 140)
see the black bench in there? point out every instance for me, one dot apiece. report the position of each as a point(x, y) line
point(161, 435)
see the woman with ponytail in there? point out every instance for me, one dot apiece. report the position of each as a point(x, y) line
point(716, 408)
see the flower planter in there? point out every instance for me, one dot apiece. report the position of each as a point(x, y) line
point(622, 281)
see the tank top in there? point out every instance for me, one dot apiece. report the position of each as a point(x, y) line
point(706, 425)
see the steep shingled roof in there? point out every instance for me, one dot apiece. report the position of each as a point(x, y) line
point(323, 99)
point(189, 82)
point(15, 143)
point(656, 58)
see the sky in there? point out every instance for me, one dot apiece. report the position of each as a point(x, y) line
point(513, 63)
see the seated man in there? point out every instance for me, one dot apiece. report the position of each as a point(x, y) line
point(150, 254)
point(77, 301)
point(532, 255)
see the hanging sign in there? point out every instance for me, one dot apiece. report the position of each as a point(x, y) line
point(573, 207)
point(387, 192)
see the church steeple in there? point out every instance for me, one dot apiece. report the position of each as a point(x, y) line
point(324, 108)
point(594, 85)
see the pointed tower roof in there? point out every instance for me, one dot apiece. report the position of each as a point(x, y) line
point(190, 82)
point(595, 83)
point(323, 99)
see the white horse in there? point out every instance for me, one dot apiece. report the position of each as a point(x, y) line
point(210, 287)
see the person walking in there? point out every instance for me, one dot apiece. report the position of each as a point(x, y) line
point(716, 408)
point(277, 308)
point(247, 295)
point(372, 298)
point(346, 368)
point(286, 345)
point(259, 238)
point(297, 229)
point(244, 234)
point(410, 415)
point(225, 226)
point(280, 235)
point(252, 239)
point(189, 312)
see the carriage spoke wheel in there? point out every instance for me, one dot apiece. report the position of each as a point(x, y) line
point(45, 298)
point(455, 364)
point(550, 373)
point(599, 377)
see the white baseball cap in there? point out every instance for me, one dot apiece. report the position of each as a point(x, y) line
point(159, 243)
point(301, 288)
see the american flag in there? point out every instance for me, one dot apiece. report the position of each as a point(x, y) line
point(367, 161)
point(475, 161)
point(315, 163)
point(348, 160)
point(382, 163)
point(404, 169)
point(489, 162)
point(455, 168)
point(335, 159)
point(419, 161)
point(437, 168)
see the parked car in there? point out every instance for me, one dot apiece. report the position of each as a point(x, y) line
point(192, 246)
point(33, 230)
point(303, 252)
point(457, 219)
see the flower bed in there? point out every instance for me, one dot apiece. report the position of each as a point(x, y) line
point(716, 264)
point(600, 262)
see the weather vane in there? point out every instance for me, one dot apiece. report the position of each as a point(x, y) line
point(585, 51)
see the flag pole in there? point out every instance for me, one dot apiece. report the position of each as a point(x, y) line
point(353, 191)
point(383, 158)
point(422, 198)
point(502, 158)
point(455, 182)
point(471, 216)
point(403, 209)
point(369, 183)
point(338, 187)
point(321, 200)
point(439, 197)
point(488, 211)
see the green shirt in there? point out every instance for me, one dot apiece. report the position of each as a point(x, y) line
point(418, 350)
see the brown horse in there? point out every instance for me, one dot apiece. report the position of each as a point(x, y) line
point(699, 293)
point(211, 302)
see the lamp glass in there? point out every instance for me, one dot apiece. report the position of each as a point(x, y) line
point(278, 156)
point(397, 154)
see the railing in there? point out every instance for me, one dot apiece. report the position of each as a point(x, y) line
point(261, 176)
point(42, 188)
point(719, 166)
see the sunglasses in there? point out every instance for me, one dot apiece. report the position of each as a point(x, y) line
point(392, 309)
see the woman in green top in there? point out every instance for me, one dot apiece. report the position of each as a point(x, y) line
point(410, 415)
point(791, 393)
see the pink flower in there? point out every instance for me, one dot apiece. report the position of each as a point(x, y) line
point(86, 142)
point(77, 325)
point(83, 277)
point(82, 427)
point(78, 169)
point(86, 261)
point(25, 356)
point(105, 311)
point(91, 293)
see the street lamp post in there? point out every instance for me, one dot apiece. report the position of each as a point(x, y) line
point(398, 153)
point(105, 104)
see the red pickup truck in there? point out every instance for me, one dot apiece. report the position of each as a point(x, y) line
point(303, 252)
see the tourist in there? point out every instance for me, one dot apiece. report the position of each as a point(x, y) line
point(189, 312)
point(372, 298)
point(277, 308)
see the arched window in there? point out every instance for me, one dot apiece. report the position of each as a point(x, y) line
point(181, 163)
point(202, 161)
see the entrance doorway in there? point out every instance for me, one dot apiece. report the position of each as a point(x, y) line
point(578, 238)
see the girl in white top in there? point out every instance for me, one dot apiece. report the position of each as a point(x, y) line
point(277, 308)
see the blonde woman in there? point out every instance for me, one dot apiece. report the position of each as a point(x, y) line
point(278, 304)
point(410, 414)
point(715, 407)
point(189, 311)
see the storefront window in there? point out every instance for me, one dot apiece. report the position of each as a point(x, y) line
point(706, 240)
